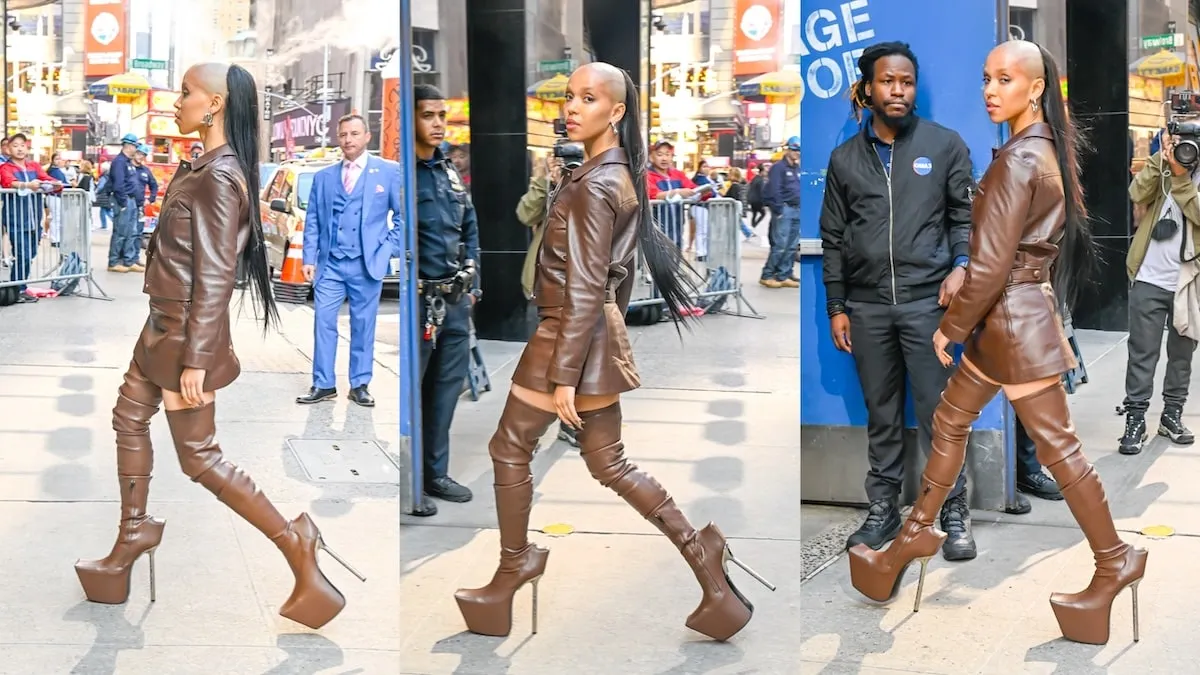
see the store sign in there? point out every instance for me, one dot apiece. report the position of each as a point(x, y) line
point(163, 100)
point(161, 126)
point(422, 54)
point(105, 40)
point(757, 36)
point(305, 126)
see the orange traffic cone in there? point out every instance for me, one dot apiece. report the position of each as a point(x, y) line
point(291, 287)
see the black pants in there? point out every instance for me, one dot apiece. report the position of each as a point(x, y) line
point(890, 342)
point(758, 212)
point(1027, 461)
point(1150, 310)
point(444, 367)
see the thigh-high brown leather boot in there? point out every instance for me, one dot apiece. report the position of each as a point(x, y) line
point(1084, 616)
point(314, 601)
point(877, 574)
point(723, 610)
point(107, 580)
point(488, 610)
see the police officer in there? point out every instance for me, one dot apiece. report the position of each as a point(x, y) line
point(447, 269)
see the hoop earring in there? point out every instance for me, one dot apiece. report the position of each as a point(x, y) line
point(208, 119)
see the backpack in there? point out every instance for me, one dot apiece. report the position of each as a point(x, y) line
point(72, 264)
point(718, 280)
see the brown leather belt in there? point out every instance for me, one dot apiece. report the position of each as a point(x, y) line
point(557, 297)
point(1029, 275)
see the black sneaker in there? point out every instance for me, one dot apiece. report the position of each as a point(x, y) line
point(1039, 485)
point(567, 434)
point(956, 523)
point(1135, 432)
point(881, 526)
point(448, 489)
point(1171, 426)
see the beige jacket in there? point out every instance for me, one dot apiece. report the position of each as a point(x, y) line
point(531, 211)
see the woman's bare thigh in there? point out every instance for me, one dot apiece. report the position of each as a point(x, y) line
point(173, 400)
point(1014, 392)
point(544, 401)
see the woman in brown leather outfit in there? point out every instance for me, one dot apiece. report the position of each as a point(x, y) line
point(579, 361)
point(1029, 228)
point(209, 222)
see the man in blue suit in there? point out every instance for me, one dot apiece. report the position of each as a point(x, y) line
point(347, 249)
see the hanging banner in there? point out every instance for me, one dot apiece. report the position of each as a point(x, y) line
point(104, 45)
point(757, 36)
point(948, 92)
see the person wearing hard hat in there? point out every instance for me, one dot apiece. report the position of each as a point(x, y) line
point(145, 176)
point(124, 247)
point(782, 194)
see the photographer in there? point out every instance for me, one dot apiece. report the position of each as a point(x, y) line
point(1162, 270)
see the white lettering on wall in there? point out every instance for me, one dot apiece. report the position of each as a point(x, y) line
point(829, 75)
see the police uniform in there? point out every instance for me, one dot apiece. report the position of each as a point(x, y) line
point(447, 236)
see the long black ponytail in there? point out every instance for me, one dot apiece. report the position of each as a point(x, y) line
point(241, 132)
point(668, 268)
point(1077, 258)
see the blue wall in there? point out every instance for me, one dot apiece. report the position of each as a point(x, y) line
point(951, 39)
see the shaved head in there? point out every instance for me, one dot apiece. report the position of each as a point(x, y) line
point(610, 76)
point(1024, 55)
point(595, 102)
point(210, 77)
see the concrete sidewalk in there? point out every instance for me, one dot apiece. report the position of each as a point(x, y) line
point(991, 615)
point(714, 422)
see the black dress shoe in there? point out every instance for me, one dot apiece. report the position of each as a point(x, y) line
point(446, 488)
point(426, 508)
point(316, 395)
point(956, 523)
point(361, 396)
point(881, 526)
point(1039, 485)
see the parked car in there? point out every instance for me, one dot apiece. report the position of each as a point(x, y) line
point(283, 204)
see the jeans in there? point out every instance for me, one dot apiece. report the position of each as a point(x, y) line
point(105, 216)
point(126, 240)
point(24, 250)
point(785, 237)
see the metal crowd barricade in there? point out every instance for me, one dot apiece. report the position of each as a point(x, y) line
point(47, 240)
point(718, 247)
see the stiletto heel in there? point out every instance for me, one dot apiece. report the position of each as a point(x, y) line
point(746, 568)
point(1133, 591)
point(534, 583)
point(153, 588)
point(324, 547)
point(920, 584)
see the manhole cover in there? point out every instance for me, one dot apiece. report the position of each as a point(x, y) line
point(345, 461)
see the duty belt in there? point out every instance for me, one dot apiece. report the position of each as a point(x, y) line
point(435, 292)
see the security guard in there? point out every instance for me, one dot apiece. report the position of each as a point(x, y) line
point(448, 273)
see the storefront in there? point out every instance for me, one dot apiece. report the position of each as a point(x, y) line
point(155, 124)
point(302, 129)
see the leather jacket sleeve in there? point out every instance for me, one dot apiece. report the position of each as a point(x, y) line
point(216, 219)
point(590, 222)
point(1000, 211)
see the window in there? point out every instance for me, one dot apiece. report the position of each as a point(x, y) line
point(304, 183)
point(1020, 24)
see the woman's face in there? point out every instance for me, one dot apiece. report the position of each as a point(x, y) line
point(193, 103)
point(590, 105)
point(1008, 89)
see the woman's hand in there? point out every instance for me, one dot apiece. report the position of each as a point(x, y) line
point(191, 386)
point(564, 404)
point(940, 343)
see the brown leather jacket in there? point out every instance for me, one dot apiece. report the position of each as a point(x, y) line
point(191, 270)
point(1006, 312)
point(584, 282)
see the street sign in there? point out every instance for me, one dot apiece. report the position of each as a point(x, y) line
point(148, 64)
point(564, 66)
point(1164, 41)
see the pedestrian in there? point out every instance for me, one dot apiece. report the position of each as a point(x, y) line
point(532, 210)
point(754, 195)
point(449, 286)
point(1162, 268)
point(104, 197)
point(1030, 245)
point(782, 196)
point(184, 354)
point(894, 229)
point(57, 171)
point(348, 247)
point(666, 183)
point(579, 362)
point(699, 213)
point(125, 246)
point(23, 211)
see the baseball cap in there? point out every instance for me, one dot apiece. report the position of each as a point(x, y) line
point(661, 142)
point(793, 143)
point(130, 139)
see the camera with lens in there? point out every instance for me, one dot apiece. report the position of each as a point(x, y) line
point(569, 152)
point(1184, 127)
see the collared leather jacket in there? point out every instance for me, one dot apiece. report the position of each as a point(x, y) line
point(191, 269)
point(1006, 311)
point(584, 282)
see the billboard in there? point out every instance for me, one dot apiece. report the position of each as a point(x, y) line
point(105, 43)
point(306, 125)
point(950, 51)
point(757, 36)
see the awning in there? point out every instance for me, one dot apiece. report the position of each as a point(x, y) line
point(553, 89)
point(774, 87)
point(122, 88)
point(1170, 67)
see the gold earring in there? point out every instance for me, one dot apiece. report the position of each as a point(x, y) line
point(208, 119)
point(1035, 105)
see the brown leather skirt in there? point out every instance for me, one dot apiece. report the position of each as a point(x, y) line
point(1021, 339)
point(160, 347)
point(608, 367)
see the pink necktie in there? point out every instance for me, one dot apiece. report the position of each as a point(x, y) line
point(348, 181)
